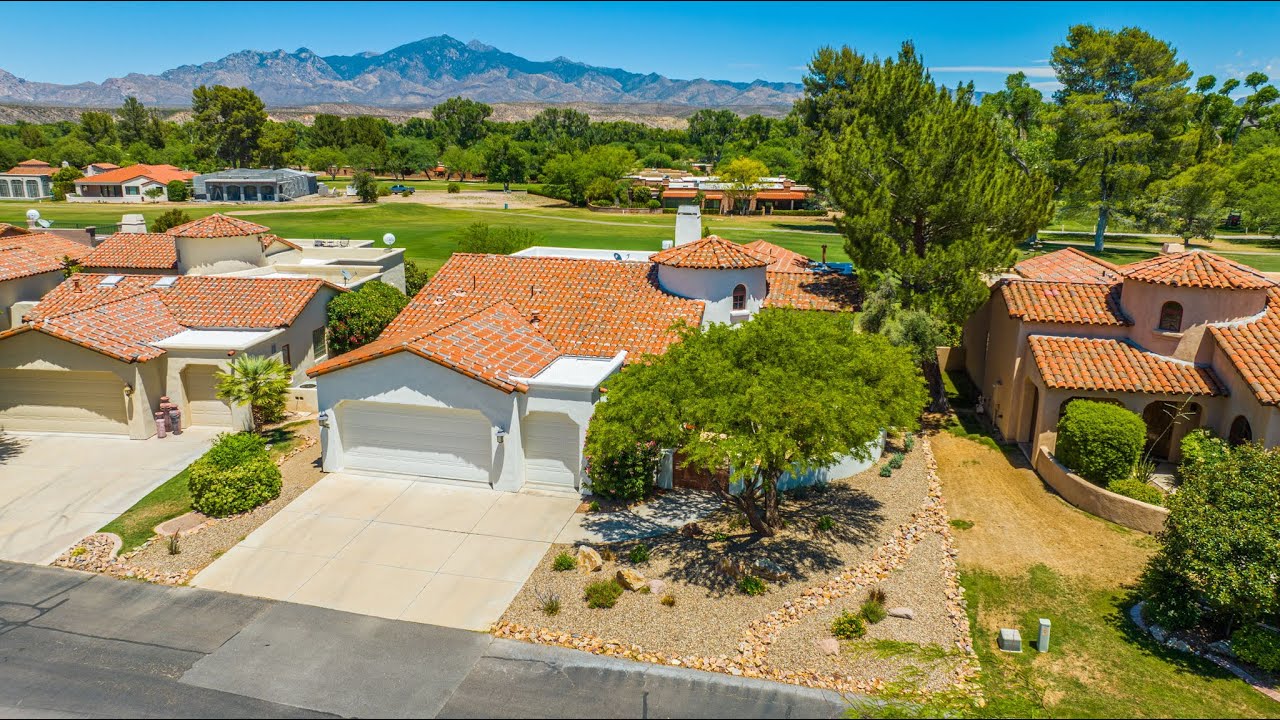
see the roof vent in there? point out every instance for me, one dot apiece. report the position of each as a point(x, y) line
point(110, 281)
point(458, 292)
point(166, 282)
point(439, 300)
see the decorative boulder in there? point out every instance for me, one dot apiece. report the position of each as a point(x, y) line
point(656, 586)
point(589, 560)
point(905, 613)
point(829, 646)
point(690, 530)
point(630, 579)
point(767, 569)
point(729, 568)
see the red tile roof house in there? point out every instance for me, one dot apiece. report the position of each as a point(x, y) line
point(127, 184)
point(489, 376)
point(31, 266)
point(29, 180)
point(1180, 327)
point(97, 353)
point(223, 245)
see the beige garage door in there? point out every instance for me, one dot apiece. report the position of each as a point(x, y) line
point(203, 405)
point(413, 440)
point(55, 401)
point(552, 450)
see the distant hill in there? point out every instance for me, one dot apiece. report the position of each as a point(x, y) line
point(419, 74)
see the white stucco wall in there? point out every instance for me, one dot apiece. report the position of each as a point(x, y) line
point(210, 256)
point(32, 287)
point(716, 288)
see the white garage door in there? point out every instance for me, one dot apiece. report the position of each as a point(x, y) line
point(414, 440)
point(551, 450)
point(203, 405)
point(55, 401)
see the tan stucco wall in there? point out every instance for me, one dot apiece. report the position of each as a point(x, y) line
point(298, 336)
point(1142, 302)
point(1099, 501)
point(32, 287)
point(209, 256)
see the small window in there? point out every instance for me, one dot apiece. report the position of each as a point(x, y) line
point(740, 297)
point(131, 190)
point(1171, 317)
point(284, 355)
point(1240, 433)
point(318, 346)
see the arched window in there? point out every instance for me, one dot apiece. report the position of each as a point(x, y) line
point(1171, 317)
point(740, 297)
point(1240, 433)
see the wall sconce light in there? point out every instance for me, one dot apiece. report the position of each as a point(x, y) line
point(128, 391)
point(502, 435)
point(323, 419)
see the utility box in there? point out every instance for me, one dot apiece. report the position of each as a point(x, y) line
point(1010, 640)
point(1042, 643)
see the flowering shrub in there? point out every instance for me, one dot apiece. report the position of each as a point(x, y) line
point(628, 475)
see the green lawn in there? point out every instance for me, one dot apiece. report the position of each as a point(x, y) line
point(137, 524)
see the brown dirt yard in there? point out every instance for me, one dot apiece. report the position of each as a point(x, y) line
point(1018, 522)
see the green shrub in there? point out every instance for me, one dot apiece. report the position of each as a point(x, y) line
point(453, 188)
point(1257, 645)
point(873, 612)
point(357, 318)
point(627, 475)
point(177, 191)
point(752, 585)
point(654, 204)
point(799, 213)
point(848, 626)
point(639, 554)
point(885, 471)
point(1138, 490)
point(603, 594)
point(482, 238)
point(1099, 441)
point(1200, 446)
point(564, 561)
point(551, 605)
point(366, 187)
point(594, 506)
point(962, 524)
point(909, 443)
point(668, 600)
point(169, 219)
point(233, 477)
point(415, 277)
point(896, 461)
point(825, 523)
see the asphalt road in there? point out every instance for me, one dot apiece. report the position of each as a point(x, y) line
point(78, 645)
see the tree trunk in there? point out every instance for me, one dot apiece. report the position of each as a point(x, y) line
point(1104, 210)
point(749, 503)
point(937, 388)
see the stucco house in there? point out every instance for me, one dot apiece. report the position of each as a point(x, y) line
point(767, 194)
point(1185, 339)
point(490, 375)
point(254, 185)
point(31, 265)
point(223, 245)
point(28, 180)
point(127, 184)
point(99, 351)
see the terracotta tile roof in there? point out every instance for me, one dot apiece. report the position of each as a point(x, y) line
point(1197, 268)
point(156, 251)
point(1117, 366)
point(32, 167)
point(782, 195)
point(269, 239)
point(1068, 265)
point(103, 166)
point(164, 174)
point(831, 292)
point(46, 245)
point(780, 258)
point(496, 345)
point(123, 320)
point(590, 308)
point(1254, 350)
point(17, 262)
point(218, 225)
point(711, 252)
point(1064, 302)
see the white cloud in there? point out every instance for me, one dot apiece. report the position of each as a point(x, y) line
point(744, 66)
point(1049, 85)
point(1029, 70)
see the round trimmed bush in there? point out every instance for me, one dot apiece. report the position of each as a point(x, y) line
point(1099, 441)
point(453, 188)
point(1138, 490)
point(235, 476)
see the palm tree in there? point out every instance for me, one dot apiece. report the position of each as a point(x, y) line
point(257, 381)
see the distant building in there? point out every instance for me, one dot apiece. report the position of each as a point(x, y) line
point(28, 180)
point(127, 184)
point(98, 168)
point(250, 185)
point(769, 194)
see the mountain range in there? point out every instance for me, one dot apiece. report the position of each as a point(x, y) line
point(418, 74)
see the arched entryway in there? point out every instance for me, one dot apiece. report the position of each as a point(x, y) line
point(1166, 423)
point(1241, 432)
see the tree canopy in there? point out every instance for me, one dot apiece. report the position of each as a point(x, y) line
point(229, 121)
point(356, 318)
point(787, 391)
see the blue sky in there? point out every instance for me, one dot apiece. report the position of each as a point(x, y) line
point(730, 41)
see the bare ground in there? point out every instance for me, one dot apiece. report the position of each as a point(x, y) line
point(1018, 521)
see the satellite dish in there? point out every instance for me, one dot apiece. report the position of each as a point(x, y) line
point(388, 239)
point(33, 215)
point(617, 256)
point(346, 278)
point(43, 223)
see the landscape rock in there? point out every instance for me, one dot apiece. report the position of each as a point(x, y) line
point(1222, 647)
point(630, 579)
point(769, 570)
point(657, 586)
point(1158, 633)
point(729, 568)
point(589, 560)
point(905, 613)
point(691, 530)
point(829, 646)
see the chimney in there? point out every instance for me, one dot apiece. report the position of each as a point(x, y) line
point(786, 182)
point(535, 317)
point(688, 224)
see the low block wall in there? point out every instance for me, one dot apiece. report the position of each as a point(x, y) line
point(625, 211)
point(1099, 501)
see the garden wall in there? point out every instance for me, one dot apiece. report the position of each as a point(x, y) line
point(1099, 501)
point(624, 211)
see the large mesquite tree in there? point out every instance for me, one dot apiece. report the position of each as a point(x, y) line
point(787, 391)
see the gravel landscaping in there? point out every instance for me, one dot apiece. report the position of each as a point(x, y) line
point(201, 545)
point(888, 532)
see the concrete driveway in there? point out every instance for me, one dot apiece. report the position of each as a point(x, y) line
point(55, 488)
point(395, 548)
